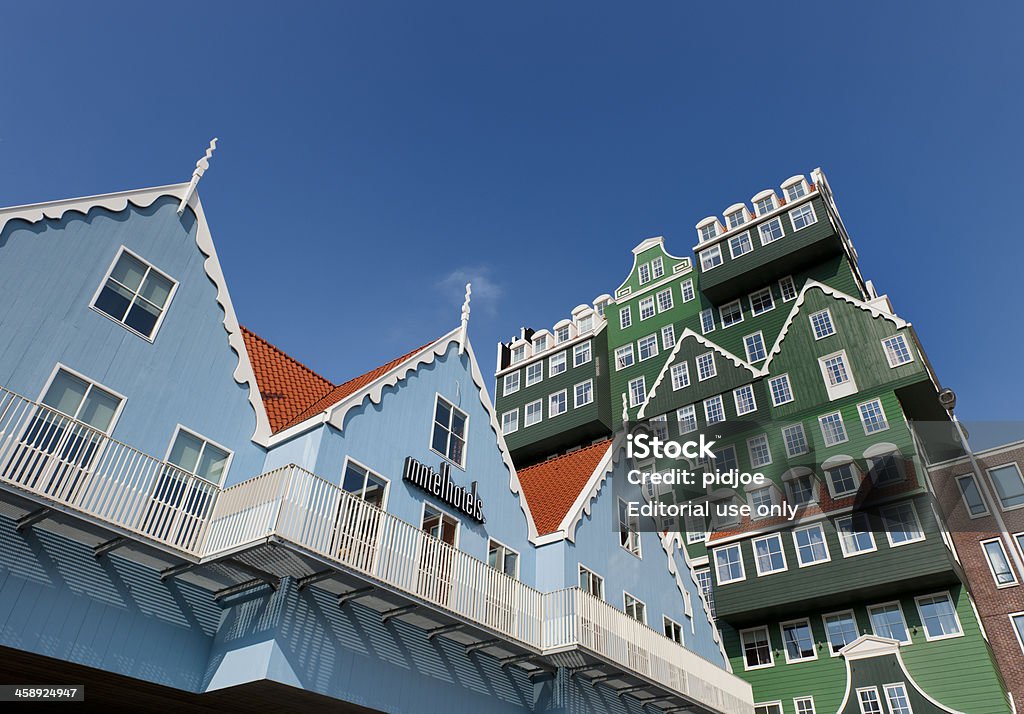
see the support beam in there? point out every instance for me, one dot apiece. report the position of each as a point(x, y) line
point(307, 580)
point(110, 545)
point(240, 588)
point(176, 570)
point(444, 630)
point(658, 700)
point(397, 612)
point(30, 519)
point(515, 659)
point(606, 678)
point(471, 648)
point(630, 690)
point(272, 580)
point(351, 595)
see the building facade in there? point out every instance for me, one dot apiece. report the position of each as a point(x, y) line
point(771, 341)
point(191, 517)
point(982, 499)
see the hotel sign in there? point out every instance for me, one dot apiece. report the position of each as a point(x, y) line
point(441, 485)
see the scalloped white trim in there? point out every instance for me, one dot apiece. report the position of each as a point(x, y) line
point(143, 198)
point(671, 544)
point(584, 501)
point(754, 371)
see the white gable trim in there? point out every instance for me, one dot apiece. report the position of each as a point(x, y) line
point(754, 371)
point(582, 505)
point(646, 245)
point(671, 543)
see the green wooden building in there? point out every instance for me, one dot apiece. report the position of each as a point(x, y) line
point(771, 341)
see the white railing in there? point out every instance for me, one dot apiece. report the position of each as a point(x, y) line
point(574, 618)
point(68, 462)
point(49, 454)
point(297, 506)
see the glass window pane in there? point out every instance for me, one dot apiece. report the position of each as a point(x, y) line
point(99, 408)
point(375, 489)
point(440, 441)
point(458, 423)
point(128, 271)
point(212, 464)
point(142, 317)
point(185, 451)
point(1009, 485)
point(65, 393)
point(156, 289)
point(114, 300)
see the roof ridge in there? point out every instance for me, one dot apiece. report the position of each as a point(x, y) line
point(287, 356)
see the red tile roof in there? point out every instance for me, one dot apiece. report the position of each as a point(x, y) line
point(552, 486)
point(292, 392)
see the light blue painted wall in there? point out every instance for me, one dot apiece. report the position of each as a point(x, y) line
point(380, 436)
point(49, 273)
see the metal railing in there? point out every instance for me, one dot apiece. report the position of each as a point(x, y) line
point(575, 618)
point(49, 454)
point(67, 462)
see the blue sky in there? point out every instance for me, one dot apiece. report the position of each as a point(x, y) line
point(375, 154)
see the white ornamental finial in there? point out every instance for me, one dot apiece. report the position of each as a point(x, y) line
point(625, 408)
point(465, 319)
point(201, 166)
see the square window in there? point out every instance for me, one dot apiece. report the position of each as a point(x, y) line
point(585, 325)
point(714, 412)
point(798, 641)
point(668, 337)
point(840, 629)
point(887, 621)
point(800, 490)
point(534, 372)
point(591, 583)
point(80, 399)
point(562, 334)
point(711, 258)
point(707, 321)
point(731, 313)
point(680, 375)
point(708, 231)
point(855, 536)
point(581, 354)
point(795, 191)
point(518, 353)
point(832, 429)
point(665, 300)
point(540, 343)
point(364, 484)
point(503, 559)
point(510, 422)
point(810, 544)
point(899, 701)
point(1009, 485)
point(686, 290)
point(761, 501)
point(757, 650)
point(754, 346)
point(896, 350)
point(768, 555)
point(843, 479)
point(625, 317)
point(770, 231)
point(762, 301)
point(624, 357)
point(511, 383)
point(558, 404)
point(728, 564)
point(804, 705)
point(760, 453)
point(802, 216)
point(449, 434)
point(534, 413)
point(647, 347)
point(736, 218)
point(706, 366)
point(781, 391)
point(821, 323)
point(637, 391)
point(796, 440)
point(646, 308)
point(885, 469)
point(198, 456)
point(634, 608)
point(687, 418)
point(787, 288)
point(868, 700)
point(135, 294)
point(673, 630)
point(744, 398)
point(938, 616)
point(901, 524)
point(740, 244)
point(765, 205)
point(583, 393)
point(872, 417)
point(557, 364)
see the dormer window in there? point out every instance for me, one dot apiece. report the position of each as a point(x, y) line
point(540, 343)
point(562, 334)
point(795, 188)
point(518, 353)
point(765, 204)
point(657, 267)
point(736, 218)
point(645, 273)
point(586, 324)
point(600, 308)
point(708, 229)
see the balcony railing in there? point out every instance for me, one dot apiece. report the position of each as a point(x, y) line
point(68, 463)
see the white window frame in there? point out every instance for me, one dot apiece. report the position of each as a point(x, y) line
point(670, 342)
point(686, 288)
point(858, 477)
point(538, 380)
point(801, 209)
point(505, 431)
point(738, 237)
point(736, 399)
point(633, 401)
point(657, 268)
point(956, 617)
point(575, 394)
point(750, 451)
point(917, 523)
point(648, 302)
point(708, 257)
point(665, 620)
point(889, 353)
point(624, 350)
point(1017, 631)
point(761, 231)
point(746, 347)
point(889, 697)
point(789, 389)
point(878, 700)
point(723, 549)
point(625, 317)
point(771, 652)
point(505, 382)
point(777, 537)
point(863, 421)
point(632, 536)
point(659, 299)
point(797, 701)
point(828, 638)
point(684, 371)
point(831, 324)
point(721, 313)
point(593, 575)
point(93, 383)
point(565, 400)
point(903, 617)
point(721, 402)
point(561, 357)
point(785, 441)
point(793, 292)
point(842, 543)
point(714, 367)
point(433, 423)
point(643, 273)
point(810, 629)
point(842, 389)
point(344, 470)
point(680, 420)
point(824, 541)
point(824, 437)
point(494, 541)
point(149, 267)
point(651, 339)
point(771, 298)
point(710, 313)
point(582, 348)
point(999, 499)
point(526, 413)
point(636, 601)
point(227, 465)
point(991, 566)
